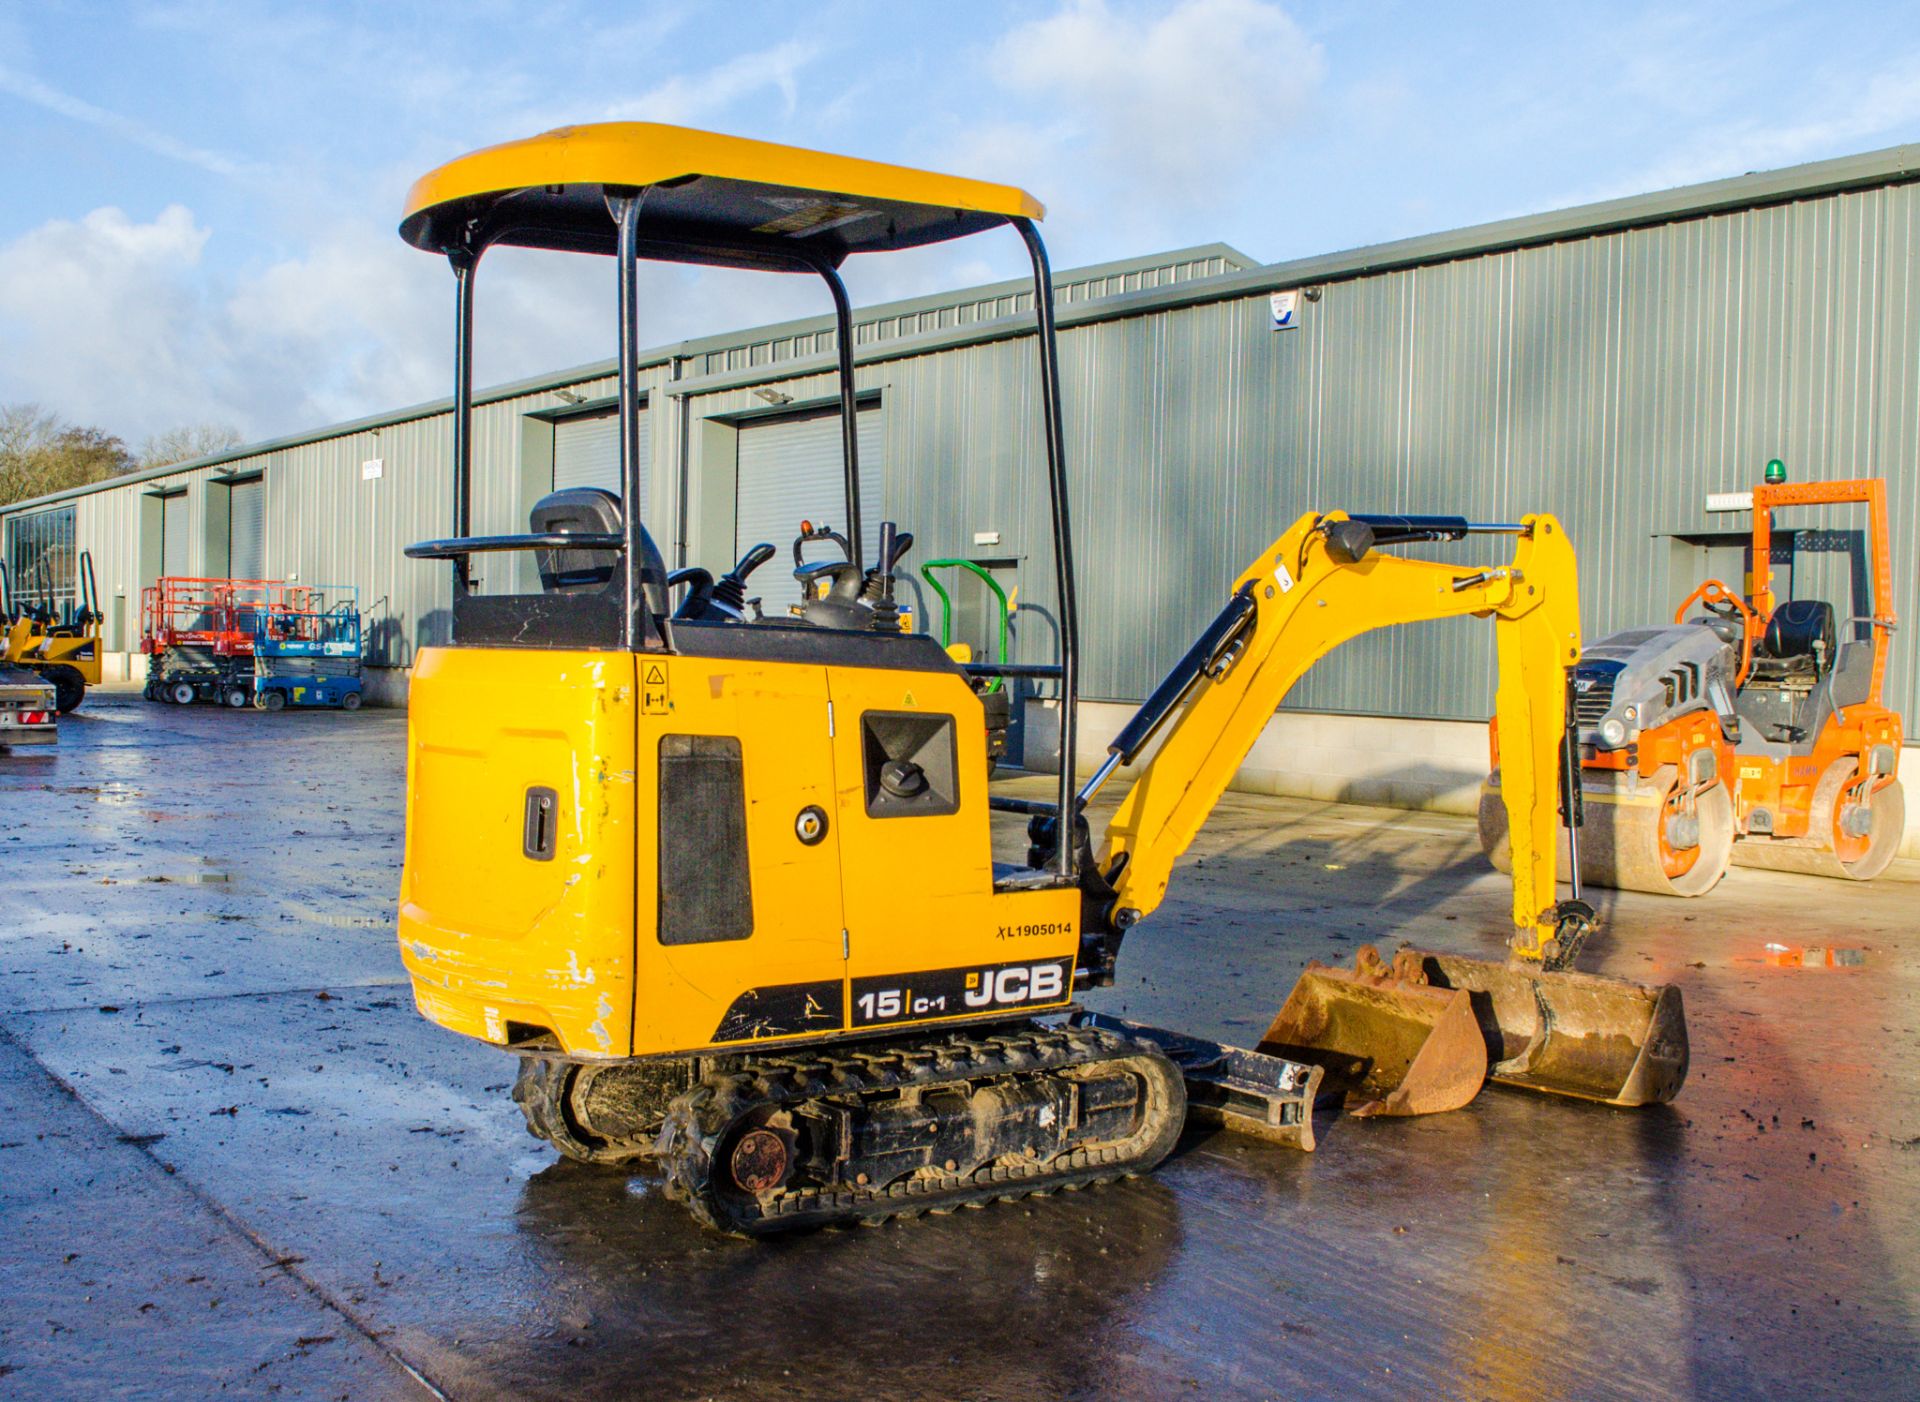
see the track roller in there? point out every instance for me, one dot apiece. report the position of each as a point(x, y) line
point(767, 1144)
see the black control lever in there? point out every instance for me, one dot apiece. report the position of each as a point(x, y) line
point(752, 560)
point(730, 594)
point(877, 589)
point(700, 592)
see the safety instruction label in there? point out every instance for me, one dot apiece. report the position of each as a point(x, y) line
point(653, 689)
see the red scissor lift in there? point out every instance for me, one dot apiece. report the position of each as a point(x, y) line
point(198, 634)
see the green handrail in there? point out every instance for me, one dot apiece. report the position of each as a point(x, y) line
point(946, 605)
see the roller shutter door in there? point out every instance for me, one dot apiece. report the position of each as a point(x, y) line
point(586, 452)
point(247, 530)
point(790, 471)
point(173, 534)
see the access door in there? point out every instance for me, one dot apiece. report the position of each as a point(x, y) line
point(927, 936)
point(740, 928)
point(247, 530)
point(173, 534)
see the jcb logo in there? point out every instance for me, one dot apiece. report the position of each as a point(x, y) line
point(1020, 983)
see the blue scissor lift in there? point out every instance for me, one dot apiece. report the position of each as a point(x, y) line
point(309, 657)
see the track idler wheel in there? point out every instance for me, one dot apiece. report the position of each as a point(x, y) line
point(606, 1113)
point(1853, 829)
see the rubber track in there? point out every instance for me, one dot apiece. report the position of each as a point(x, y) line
point(541, 1090)
point(700, 1118)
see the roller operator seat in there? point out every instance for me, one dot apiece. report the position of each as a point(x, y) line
point(1798, 643)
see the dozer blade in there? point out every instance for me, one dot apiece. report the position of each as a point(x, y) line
point(1391, 1042)
point(1572, 1034)
point(1263, 1096)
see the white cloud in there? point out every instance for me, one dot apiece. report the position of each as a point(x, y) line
point(1877, 109)
point(1127, 118)
point(102, 313)
point(685, 98)
point(30, 89)
point(1176, 110)
point(121, 324)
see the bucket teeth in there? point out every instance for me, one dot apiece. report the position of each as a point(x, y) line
point(1387, 1038)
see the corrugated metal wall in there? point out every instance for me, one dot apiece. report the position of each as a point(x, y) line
point(949, 312)
point(1613, 379)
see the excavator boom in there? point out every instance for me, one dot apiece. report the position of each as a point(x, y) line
point(1419, 1034)
point(1305, 601)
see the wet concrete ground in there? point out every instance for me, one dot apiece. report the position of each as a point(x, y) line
point(233, 1159)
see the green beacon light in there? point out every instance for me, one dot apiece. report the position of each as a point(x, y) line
point(1776, 472)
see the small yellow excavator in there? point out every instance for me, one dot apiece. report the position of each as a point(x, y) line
point(725, 884)
point(62, 646)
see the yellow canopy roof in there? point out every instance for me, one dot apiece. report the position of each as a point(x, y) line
point(710, 198)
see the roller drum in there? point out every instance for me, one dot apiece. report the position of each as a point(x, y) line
point(1632, 840)
point(1834, 846)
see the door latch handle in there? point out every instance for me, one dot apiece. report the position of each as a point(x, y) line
point(537, 835)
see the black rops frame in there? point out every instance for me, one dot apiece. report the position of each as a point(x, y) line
point(626, 208)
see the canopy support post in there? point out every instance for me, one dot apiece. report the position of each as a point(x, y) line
point(637, 623)
point(1067, 857)
point(849, 406)
point(465, 262)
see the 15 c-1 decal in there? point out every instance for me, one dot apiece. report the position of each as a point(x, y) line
point(957, 992)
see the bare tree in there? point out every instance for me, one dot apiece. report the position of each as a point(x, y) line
point(40, 452)
point(187, 442)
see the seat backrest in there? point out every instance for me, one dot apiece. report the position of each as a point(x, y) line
point(1800, 628)
point(577, 511)
point(593, 511)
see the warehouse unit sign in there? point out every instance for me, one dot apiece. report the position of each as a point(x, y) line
point(1285, 305)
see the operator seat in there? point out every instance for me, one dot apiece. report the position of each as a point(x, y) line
point(1798, 643)
point(593, 511)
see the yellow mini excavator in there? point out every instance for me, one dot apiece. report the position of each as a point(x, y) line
point(64, 646)
point(725, 884)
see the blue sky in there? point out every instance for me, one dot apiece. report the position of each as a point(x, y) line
point(201, 196)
